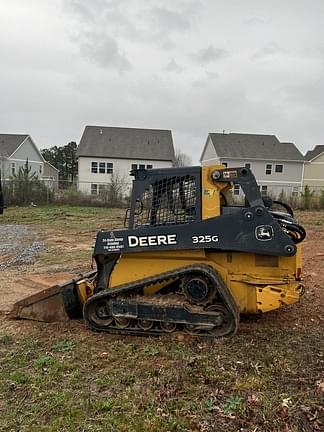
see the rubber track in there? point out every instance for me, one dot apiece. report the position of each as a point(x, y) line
point(133, 287)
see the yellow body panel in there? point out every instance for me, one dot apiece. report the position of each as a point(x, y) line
point(258, 283)
point(255, 288)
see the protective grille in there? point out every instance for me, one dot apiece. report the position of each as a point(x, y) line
point(169, 201)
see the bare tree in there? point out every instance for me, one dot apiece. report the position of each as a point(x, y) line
point(181, 159)
point(114, 191)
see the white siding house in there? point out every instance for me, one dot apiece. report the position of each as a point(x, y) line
point(110, 153)
point(314, 169)
point(276, 166)
point(15, 150)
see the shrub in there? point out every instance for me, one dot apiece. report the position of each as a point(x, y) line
point(307, 198)
point(25, 188)
point(321, 199)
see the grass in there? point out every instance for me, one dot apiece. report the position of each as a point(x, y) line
point(61, 377)
point(64, 217)
point(255, 381)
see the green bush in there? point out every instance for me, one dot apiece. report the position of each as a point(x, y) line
point(321, 199)
point(24, 188)
point(308, 200)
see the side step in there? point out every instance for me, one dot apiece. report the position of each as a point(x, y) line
point(56, 303)
point(177, 313)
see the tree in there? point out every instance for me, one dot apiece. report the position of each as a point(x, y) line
point(321, 199)
point(282, 196)
point(181, 159)
point(307, 197)
point(65, 160)
point(25, 187)
point(114, 192)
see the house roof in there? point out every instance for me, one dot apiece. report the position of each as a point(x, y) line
point(9, 143)
point(126, 143)
point(311, 154)
point(251, 146)
point(50, 165)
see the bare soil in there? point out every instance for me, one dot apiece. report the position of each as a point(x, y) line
point(68, 253)
point(62, 377)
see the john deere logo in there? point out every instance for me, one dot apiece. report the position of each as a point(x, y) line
point(264, 232)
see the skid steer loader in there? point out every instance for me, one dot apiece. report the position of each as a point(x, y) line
point(189, 261)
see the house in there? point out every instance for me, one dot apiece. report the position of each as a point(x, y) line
point(50, 175)
point(277, 166)
point(314, 168)
point(110, 153)
point(15, 150)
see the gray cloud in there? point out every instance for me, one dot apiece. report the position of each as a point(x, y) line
point(94, 37)
point(309, 95)
point(104, 51)
point(91, 10)
point(143, 22)
point(268, 50)
point(169, 20)
point(173, 66)
point(206, 81)
point(191, 68)
point(209, 54)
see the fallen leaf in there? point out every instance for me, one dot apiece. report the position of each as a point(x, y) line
point(320, 386)
point(286, 402)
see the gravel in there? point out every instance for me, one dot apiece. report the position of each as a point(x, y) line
point(18, 246)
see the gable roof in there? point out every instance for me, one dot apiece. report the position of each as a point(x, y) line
point(311, 154)
point(50, 165)
point(126, 143)
point(10, 142)
point(252, 146)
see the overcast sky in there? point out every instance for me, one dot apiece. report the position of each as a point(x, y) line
point(194, 67)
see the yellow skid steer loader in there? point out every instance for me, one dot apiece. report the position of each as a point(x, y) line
point(188, 261)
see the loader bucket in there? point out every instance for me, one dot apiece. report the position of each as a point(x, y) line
point(56, 303)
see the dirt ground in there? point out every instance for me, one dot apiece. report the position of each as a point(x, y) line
point(67, 241)
point(62, 377)
point(68, 253)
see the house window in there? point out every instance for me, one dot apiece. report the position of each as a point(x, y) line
point(279, 168)
point(141, 166)
point(225, 164)
point(94, 189)
point(94, 167)
point(102, 167)
point(236, 189)
point(149, 166)
point(268, 169)
point(264, 190)
point(248, 165)
point(13, 168)
point(134, 166)
point(110, 167)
